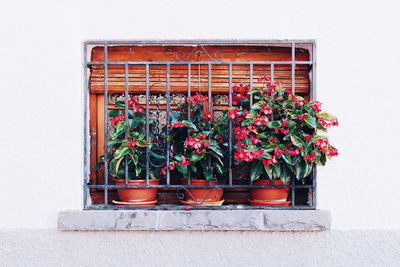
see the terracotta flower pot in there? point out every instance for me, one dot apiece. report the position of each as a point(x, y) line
point(199, 195)
point(137, 194)
point(269, 194)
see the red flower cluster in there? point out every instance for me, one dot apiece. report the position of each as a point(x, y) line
point(247, 156)
point(115, 120)
point(323, 146)
point(301, 117)
point(255, 140)
point(267, 162)
point(328, 123)
point(133, 103)
point(233, 113)
point(208, 116)
point(131, 143)
point(281, 130)
point(292, 153)
point(184, 161)
point(266, 110)
point(197, 143)
point(241, 133)
point(295, 99)
point(310, 157)
point(308, 137)
point(240, 93)
point(197, 99)
point(316, 106)
point(260, 120)
point(178, 125)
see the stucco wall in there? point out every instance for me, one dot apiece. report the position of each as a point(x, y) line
point(41, 82)
point(328, 249)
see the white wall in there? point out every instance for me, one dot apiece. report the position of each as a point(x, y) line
point(41, 93)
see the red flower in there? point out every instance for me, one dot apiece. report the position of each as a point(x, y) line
point(285, 123)
point(220, 139)
point(333, 152)
point(201, 136)
point(171, 166)
point(178, 125)
point(199, 151)
point(184, 161)
point(191, 142)
point(255, 140)
point(316, 106)
point(208, 116)
point(278, 152)
point(241, 133)
point(239, 144)
point(206, 143)
point(328, 123)
point(196, 99)
point(264, 79)
point(115, 120)
point(164, 171)
point(310, 157)
point(266, 110)
point(131, 143)
point(271, 86)
point(294, 152)
point(272, 139)
point(268, 162)
point(232, 114)
point(137, 109)
point(308, 137)
point(284, 131)
point(301, 117)
point(132, 102)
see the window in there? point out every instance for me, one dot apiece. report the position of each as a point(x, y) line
point(160, 75)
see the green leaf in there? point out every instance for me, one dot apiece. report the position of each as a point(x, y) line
point(300, 170)
point(268, 170)
point(190, 124)
point(207, 174)
point(193, 167)
point(257, 105)
point(286, 173)
point(135, 158)
point(196, 157)
point(122, 151)
point(277, 170)
point(287, 159)
point(274, 124)
point(310, 121)
point(138, 170)
point(218, 167)
point(255, 170)
point(216, 150)
point(296, 141)
point(182, 169)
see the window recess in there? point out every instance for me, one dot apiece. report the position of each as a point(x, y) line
point(161, 75)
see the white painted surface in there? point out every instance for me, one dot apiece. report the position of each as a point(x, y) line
point(327, 249)
point(41, 93)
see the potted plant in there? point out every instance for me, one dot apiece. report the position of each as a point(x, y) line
point(198, 149)
point(127, 153)
point(279, 136)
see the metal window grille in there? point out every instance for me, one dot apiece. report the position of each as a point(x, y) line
point(186, 61)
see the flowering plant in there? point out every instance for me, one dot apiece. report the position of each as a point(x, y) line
point(278, 134)
point(127, 139)
point(197, 141)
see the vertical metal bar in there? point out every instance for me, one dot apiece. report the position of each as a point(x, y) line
point(168, 118)
point(209, 105)
point(106, 124)
point(86, 148)
point(251, 82)
point(147, 122)
point(189, 114)
point(230, 126)
point(209, 87)
point(126, 119)
point(272, 72)
point(293, 67)
point(313, 95)
point(293, 182)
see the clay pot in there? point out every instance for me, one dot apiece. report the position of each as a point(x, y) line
point(198, 195)
point(137, 194)
point(269, 194)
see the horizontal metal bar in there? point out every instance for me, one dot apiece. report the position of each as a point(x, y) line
point(181, 207)
point(196, 62)
point(196, 186)
point(198, 41)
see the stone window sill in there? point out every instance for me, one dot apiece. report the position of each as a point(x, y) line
point(195, 220)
